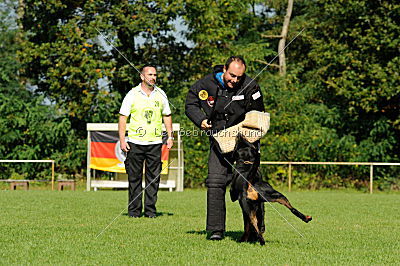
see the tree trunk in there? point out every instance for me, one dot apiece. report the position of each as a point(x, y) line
point(282, 41)
point(19, 38)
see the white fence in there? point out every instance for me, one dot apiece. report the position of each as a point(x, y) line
point(35, 161)
point(370, 164)
point(371, 171)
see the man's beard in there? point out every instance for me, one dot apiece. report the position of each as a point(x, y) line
point(150, 84)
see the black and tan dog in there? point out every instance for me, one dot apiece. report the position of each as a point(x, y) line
point(251, 191)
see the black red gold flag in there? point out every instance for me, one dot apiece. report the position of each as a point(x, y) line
point(106, 154)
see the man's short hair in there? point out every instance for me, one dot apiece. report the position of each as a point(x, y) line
point(147, 65)
point(235, 58)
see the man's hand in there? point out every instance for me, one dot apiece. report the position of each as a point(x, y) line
point(121, 132)
point(204, 125)
point(124, 146)
point(170, 143)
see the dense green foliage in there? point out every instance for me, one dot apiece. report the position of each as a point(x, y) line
point(29, 128)
point(339, 101)
point(348, 229)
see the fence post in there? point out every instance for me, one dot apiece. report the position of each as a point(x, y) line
point(371, 178)
point(88, 181)
point(290, 176)
point(52, 175)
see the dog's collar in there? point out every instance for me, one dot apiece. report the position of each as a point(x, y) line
point(245, 162)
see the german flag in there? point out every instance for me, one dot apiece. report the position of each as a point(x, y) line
point(106, 154)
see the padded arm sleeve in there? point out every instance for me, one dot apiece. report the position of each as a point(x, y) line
point(193, 105)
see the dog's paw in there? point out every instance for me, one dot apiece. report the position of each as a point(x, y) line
point(253, 237)
point(244, 238)
point(308, 219)
point(262, 241)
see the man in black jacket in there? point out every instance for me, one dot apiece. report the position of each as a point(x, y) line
point(218, 101)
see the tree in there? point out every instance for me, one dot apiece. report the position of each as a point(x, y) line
point(30, 128)
point(66, 57)
point(338, 100)
point(352, 60)
point(343, 70)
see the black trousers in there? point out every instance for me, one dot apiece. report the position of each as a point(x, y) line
point(219, 177)
point(137, 155)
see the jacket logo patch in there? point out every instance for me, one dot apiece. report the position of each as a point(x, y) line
point(256, 95)
point(203, 94)
point(237, 97)
point(148, 114)
point(210, 101)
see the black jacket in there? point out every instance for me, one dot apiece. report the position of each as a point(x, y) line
point(224, 107)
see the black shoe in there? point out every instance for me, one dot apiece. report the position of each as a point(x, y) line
point(217, 235)
point(134, 216)
point(152, 216)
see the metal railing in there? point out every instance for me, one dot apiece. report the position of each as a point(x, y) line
point(371, 171)
point(35, 161)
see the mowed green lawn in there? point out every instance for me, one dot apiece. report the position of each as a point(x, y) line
point(61, 228)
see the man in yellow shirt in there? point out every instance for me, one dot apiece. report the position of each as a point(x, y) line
point(147, 105)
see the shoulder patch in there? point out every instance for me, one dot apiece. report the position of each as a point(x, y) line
point(237, 97)
point(203, 95)
point(256, 95)
point(210, 101)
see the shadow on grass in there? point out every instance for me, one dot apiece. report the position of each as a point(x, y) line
point(158, 214)
point(233, 235)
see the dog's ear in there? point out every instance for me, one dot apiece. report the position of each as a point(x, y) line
point(244, 142)
point(238, 145)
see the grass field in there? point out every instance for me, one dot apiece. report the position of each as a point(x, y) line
point(46, 227)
